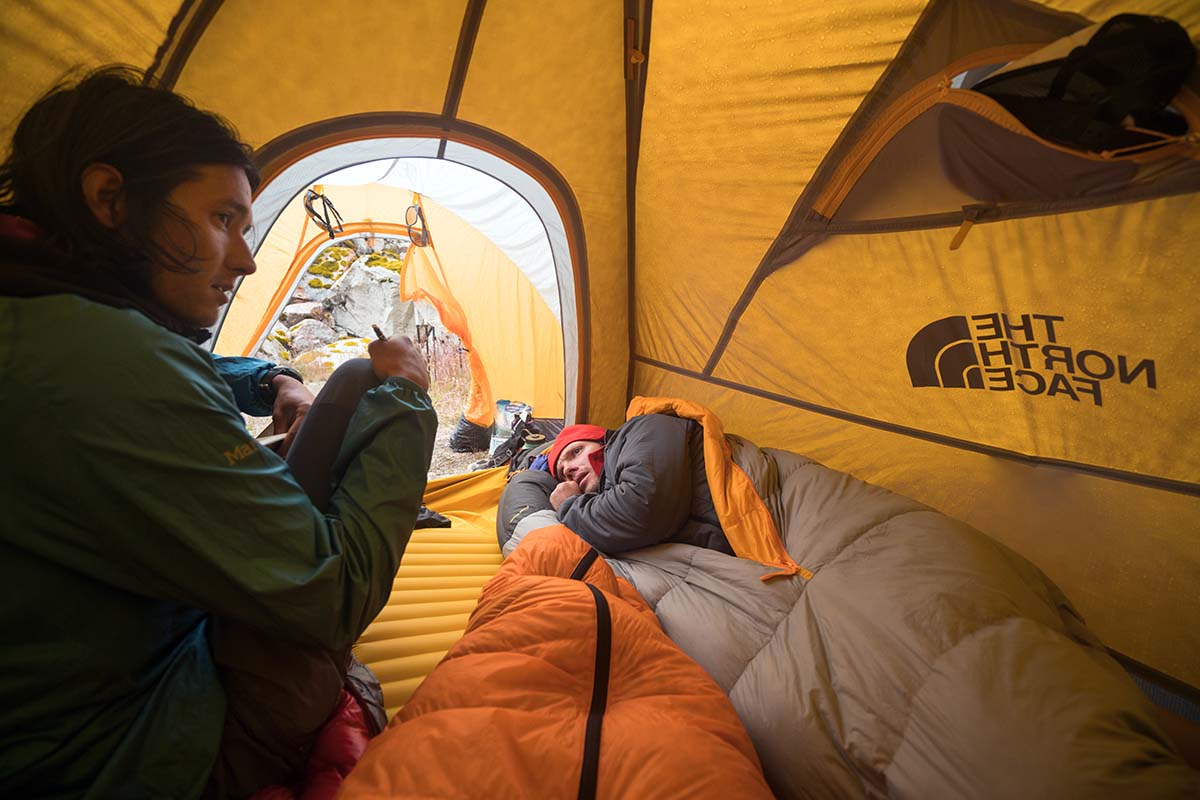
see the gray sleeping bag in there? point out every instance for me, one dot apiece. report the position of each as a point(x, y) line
point(922, 660)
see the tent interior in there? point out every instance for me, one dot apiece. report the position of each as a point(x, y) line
point(799, 215)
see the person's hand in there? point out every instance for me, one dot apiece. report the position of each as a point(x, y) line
point(292, 402)
point(562, 492)
point(397, 357)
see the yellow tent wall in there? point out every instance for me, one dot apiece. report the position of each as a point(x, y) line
point(512, 328)
point(829, 331)
point(675, 159)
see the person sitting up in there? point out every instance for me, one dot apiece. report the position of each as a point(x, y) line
point(640, 485)
point(179, 600)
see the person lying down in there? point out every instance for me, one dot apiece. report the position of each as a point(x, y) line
point(890, 650)
point(619, 490)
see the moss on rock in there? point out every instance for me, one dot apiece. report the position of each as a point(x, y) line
point(385, 260)
point(281, 338)
point(332, 262)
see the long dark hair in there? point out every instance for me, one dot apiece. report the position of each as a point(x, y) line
point(154, 137)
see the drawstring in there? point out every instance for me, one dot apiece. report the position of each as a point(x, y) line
point(1161, 140)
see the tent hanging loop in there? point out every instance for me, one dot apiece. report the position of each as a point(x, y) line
point(327, 219)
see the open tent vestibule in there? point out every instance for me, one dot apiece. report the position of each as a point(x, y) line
point(483, 259)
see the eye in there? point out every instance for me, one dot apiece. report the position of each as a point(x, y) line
point(224, 218)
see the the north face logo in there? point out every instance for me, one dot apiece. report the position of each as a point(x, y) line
point(994, 352)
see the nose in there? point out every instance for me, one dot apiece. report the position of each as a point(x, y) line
point(241, 260)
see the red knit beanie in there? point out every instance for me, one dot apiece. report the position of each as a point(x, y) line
point(573, 433)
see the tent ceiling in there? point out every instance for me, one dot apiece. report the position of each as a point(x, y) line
point(43, 40)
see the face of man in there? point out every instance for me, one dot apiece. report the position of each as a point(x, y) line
point(211, 244)
point(574, 465)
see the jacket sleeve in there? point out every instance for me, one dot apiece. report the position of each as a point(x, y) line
point(173, 498)
point(243, 376)
point(648, 493)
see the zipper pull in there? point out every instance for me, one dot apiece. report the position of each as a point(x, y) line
point(633, 56)
point(970, 215)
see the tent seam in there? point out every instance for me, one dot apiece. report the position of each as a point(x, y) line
point(1136, 478)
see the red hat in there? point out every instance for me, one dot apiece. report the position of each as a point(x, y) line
point(573, 433)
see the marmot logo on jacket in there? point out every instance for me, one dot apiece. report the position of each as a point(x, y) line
point(240, 453)
point(1004, 354)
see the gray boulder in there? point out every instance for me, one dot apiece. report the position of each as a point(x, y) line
point(272, 351)
point(397, 247)
point(319, 363)
point(407, 315)
point(296, 312)
point(402, 321)
point(359, 245)
point(305, 293)
point(362, 297)
point(276, 347)
point(309, 334)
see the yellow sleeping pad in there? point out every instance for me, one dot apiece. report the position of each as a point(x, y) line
point(436, 587)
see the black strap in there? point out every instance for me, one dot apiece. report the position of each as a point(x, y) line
point(595, 720)
point(585, 564)
point(327, 219)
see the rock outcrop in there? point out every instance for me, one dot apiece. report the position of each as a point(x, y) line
point(347, 288)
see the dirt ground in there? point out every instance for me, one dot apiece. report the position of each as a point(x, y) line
point(446, 461)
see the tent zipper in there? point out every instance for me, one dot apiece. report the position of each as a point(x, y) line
point(589, 770)
point(590, 766)
point(938, 88)
point(899, 114)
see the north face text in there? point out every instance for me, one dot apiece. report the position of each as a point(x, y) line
point(1025, 352)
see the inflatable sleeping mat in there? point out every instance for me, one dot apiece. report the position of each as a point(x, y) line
point(437, 585)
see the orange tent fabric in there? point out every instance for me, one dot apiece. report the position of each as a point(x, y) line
point(421, 280)
point(744, 517)
point(506, 712)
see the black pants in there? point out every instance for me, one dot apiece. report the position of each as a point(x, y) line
point(280, 693)
point(319, 440)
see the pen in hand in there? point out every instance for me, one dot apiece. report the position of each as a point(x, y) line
point(399, 360)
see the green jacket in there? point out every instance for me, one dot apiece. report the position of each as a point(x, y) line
point(136, 505)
